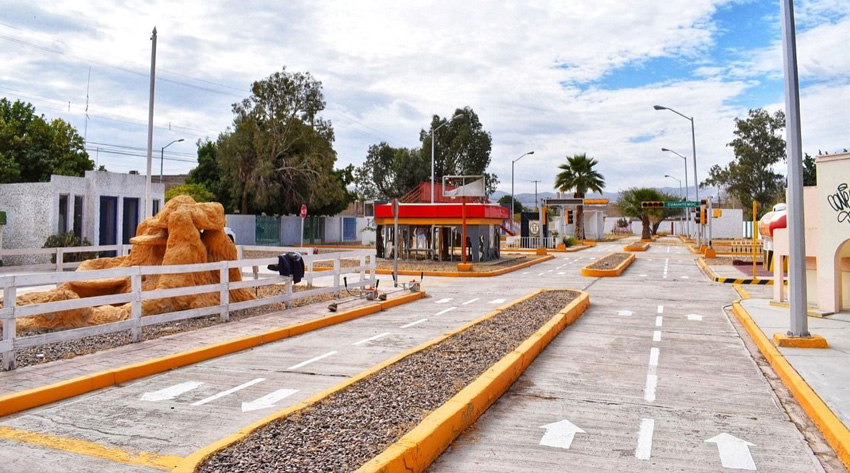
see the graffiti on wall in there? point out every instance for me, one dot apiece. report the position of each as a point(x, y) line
point(840, 202)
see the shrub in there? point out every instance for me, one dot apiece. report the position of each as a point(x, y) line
point(570, 241)
point(67, 240)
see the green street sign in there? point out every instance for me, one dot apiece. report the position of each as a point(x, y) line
point(675, 204)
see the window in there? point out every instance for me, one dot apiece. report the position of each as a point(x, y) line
point(78, 216)
point(63, 214)
point(155, 206)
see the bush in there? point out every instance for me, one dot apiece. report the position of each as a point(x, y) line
point(67, 240)
point(570, 241)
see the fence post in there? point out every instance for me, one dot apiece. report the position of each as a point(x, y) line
point(310, 272)
point(60, 255)
point(336, 275)
point(9, 301)
point(363, 267)
point(224, 291)
point(372, 266)
point(288, 286)
point(136, 304)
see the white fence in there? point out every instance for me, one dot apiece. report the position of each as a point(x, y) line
point(12, 283)
point(532, 242)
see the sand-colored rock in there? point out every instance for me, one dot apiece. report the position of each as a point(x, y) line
point(184, 232)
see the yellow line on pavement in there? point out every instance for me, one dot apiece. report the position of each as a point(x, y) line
point(83, 447)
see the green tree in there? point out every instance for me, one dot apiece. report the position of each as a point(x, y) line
point(195, 191)
point(578, 175)
point(629, 205)
point(758, 146)
point(32, 149)
point(210, 175)
point(389, 173)
point(279, 153)
point(462, 147)
point(810, 172)
point(506, 200)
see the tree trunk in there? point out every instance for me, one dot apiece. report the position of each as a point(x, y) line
point(645, 233)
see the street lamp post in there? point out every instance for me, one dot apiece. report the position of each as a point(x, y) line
point(162, 156)
point(680, 191)
point(687, 210)
point(434, 130)
point(512, 185)
point(694, 146)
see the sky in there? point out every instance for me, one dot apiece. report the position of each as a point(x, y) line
point(553, 77)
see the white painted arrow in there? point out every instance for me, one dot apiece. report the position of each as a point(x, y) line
point(269, 400)
point(228, 392)
point(559, 434)
point(734, 452)
point(171, 392)
point(694, 317)
point(627, 313)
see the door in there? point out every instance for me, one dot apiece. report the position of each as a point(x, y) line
point(131, 219)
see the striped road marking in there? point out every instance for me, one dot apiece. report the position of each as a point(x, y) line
point(228, 392)
point(367, 340)
point(411, 324)
point(311, 360)
point(644, 446)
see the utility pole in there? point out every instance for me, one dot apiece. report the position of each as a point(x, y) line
point(535, 190)
point(148, 208)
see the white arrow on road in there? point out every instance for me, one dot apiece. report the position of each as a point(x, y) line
point(171, 392)
point(734, 452)
point(694, 317)
point(269, 400)
point(559, 434)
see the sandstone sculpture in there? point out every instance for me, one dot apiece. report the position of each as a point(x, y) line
point(184, 232)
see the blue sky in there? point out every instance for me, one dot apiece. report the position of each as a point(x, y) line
point(555, 77)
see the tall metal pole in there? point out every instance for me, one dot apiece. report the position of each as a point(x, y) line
point(162, 156)
point(512, 185)
point(148, 208)
point(796, 224)
point(696, 184)
point(432, 164)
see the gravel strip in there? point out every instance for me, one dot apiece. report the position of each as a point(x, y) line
point(83, 346)
point(352, 426)
point(609, 262)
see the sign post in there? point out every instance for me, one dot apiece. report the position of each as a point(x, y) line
point(303, 216)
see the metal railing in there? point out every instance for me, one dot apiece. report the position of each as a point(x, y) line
point(11, 284)
point(531, 242)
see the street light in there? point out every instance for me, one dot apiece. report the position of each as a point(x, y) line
point(512, 185)
point(694, 145)
point(434, 130)
point(688, 209)
point(162, 156)
point(677, 180)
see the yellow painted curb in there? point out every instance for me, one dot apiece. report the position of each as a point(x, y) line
point(27, 399)
point(833, 430)
point(471, 274)
point(706, 268)
point(418, 448)
point(741, 291)
point(464, 267)
point(814, 341)
point(637, 247)
point(191, 462)
point(602, 273)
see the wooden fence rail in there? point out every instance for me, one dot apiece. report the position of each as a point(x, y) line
point(11, 285)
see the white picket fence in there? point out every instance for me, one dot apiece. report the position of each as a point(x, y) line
point(531, 242)
point(11, 284)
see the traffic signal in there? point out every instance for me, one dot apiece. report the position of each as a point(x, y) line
point(703, 212)
point(652, 204)
point(569, 217)
point(545, 214)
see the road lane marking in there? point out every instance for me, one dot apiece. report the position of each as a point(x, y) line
point(366, 340)
point(660, 309)
point(269, 400)
point(666, 261)
point(411, 324)
point(228, 392)
point(497, 301)
point(656, 336)
point(170, 392)
point(626, 313)
point(443, 301)
point(649, 389)
point(91, 449)
point(445, 310)
point(561, 273)
point(471, 301)
point(659, 320)
point(644, 446)
point(559, 434)
point(311, 360)
point(694, 317)
point(734, 452)
point(653, 356)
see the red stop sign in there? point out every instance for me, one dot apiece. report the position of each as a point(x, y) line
point(303, 211)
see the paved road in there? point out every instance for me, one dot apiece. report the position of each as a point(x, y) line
point(649, 373)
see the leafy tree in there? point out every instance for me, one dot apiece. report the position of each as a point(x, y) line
point(389, 173)
point(629, 205)
point(32, 149)
point(578, 175)
point(758, 146)
point(195, 191)
point(279, 153)
point(506, 200)
point(210, 175)
point(462, 147)
point(810, 172)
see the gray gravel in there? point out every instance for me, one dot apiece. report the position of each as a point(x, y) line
point(352, 426)
point(609, 262)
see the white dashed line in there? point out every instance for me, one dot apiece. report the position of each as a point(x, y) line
point(471, 301)
point(443, 301)
point(497, 301)
point(445, 310)
point(561, 273)
point(660, 309)
point(653, 356)
point(311, 360)
point(229, 391)
point(666, 261)
point(380, 335)
point(659, 320)
point(656, 336)
point(644, 446)
point(649, 389)
point(411, 324)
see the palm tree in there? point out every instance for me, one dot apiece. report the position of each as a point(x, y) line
point(578, 175)
point(629, 204)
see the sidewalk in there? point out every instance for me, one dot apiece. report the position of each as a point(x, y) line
point(818, 378)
